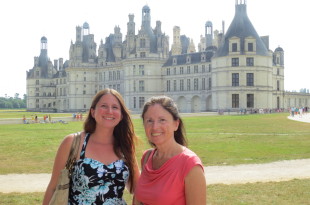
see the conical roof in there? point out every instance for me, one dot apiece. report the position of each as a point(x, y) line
point(242, 28)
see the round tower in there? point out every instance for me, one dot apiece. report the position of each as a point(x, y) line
point(209, 33)
point(86, 29)
point(146, 16)
point(43, 43)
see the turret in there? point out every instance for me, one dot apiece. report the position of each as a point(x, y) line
point(208, 33)
point(146, 17)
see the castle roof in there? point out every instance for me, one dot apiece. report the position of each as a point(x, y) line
point(242, 28)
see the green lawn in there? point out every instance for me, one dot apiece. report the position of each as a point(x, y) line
point(218, 140)
point(271, 193)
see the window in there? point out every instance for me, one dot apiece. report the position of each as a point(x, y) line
point(278, 85)
point(84, 78)
point(84, 92)
point(203, 68)
point(181, 70)
point(118, 75)
point(234, 47)
point(134, 86)
point(174, 61)
point(250, 61)
point(168, 71)
point(168, 85)
point(250, 46)
point(141, 102)
point(196, 69)
point(175, 85)
point(203, 84)
point(210, 68)
point(278, 71)
point(196, 84)
point(110, 75)
point(133, 70)
point(141, 69)
point(250, 100)
point(142, 43)
point(188, 84)
point(141, 86)
point(134, 102)
point(250, 79)
point(188, 69)
point(235, 79)
point(37, 82)
point(210, 83)
point(114, 75)
point(142, 55)
point(235, 62)
point(181, 85)
point(174, 71)
point(235, 101)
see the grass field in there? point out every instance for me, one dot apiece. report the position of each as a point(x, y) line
point(218, 140)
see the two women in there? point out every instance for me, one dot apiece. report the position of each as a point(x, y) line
point(171, 173)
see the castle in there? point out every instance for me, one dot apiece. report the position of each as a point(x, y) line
point(232, 70)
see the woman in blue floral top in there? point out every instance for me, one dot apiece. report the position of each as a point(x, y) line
point(107, 162)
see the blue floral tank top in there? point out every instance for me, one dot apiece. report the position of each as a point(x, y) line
point(94, 183)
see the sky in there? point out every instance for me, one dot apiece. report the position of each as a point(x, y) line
point(23, 23)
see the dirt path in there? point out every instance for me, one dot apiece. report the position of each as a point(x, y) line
point(239, 174)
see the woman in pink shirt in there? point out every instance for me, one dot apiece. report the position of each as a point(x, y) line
point(171, 173)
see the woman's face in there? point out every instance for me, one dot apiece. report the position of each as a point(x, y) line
point(159, 125)
point(107, 112)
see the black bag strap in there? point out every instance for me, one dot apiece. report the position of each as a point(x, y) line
point(73, 151)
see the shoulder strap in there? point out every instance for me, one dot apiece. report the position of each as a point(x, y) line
point(146, 157)
point(73, 151)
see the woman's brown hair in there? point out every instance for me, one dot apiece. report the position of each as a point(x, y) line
point(168, 104)
point(124, 135)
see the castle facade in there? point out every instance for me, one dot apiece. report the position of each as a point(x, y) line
point(231, 70)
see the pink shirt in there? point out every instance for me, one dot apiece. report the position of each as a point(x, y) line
point(166, 185)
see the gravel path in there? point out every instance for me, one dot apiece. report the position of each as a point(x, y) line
point(239, 174)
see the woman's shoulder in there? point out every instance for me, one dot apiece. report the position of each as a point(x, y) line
point(190, 156)
point(67, 141)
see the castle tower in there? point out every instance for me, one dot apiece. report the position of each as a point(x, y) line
point(130, 37)
point(176, 47)
point(146, 17)
point(191, 47)
point(86, 29)
point(43, 58)
point(78, 34)
point(208, 33)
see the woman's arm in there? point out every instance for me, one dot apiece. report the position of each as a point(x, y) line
point(195, 187)
point(59, 164)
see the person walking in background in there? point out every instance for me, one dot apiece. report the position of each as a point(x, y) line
point(24, 119)
point(171, 173)
point(106, 162)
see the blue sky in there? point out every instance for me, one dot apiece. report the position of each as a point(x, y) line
point(25, 22)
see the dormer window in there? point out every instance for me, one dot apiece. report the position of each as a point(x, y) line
point(188, 59)
point(234, 45)
point(203, 58)
point(174, 61)
point(250, 44)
